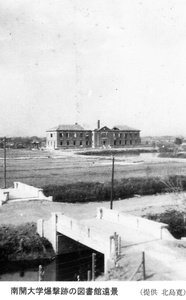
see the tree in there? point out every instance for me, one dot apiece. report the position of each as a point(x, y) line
point(178, 141)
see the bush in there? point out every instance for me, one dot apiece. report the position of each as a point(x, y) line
point(22, 242)
point(116, 152)
point(175, 220)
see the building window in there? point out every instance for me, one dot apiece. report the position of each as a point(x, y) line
point(74, 143)
point(120, 142)
point(51, 135)
point(67, 143)
point(81, 134)
point(61, 143)
point(120, 135)
point(81, 143)
point(75, 135)
point(104, 134)
point(131, 142)
point(114, 143)
point(86, 143)
point(67, 135)
point(60, 134)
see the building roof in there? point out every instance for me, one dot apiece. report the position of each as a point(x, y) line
point(67, 127)
point(124, 127)
point(117, 127)
point(102, 128)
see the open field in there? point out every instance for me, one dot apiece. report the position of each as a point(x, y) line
point(41, 168)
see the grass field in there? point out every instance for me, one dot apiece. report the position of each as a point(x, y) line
point(41, 168)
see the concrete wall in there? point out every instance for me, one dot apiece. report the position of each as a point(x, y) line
point(156, 229)
point(82, 233)
point(75, 230)
point(20, 192)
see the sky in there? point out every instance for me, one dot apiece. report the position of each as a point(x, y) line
point(121, 62)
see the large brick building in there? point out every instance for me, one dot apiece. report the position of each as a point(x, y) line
point(118, 136)
point(75, 136)
point(68, 136)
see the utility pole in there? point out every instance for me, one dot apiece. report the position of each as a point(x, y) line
point(112, 184)
point(5, 162)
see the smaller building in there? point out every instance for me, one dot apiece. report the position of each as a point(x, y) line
point(68, 136)
point(35, 144)
point(118, 136)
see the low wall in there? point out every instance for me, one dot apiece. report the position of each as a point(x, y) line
point(25, 190)
point(138, 223)
point(22, 191)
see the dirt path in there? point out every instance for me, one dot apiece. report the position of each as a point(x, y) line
point(21, 212)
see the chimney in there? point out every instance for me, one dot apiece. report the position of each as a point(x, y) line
point(98, 124)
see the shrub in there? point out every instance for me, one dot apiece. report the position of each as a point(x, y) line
point(175, 220)
point(22, 242)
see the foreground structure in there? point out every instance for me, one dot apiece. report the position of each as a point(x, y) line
point(75, 136)
point(22, 192)
point(118, 231)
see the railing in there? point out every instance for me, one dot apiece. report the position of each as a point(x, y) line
point(138, 223)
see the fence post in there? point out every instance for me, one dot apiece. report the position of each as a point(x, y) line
point(89, 275)
point(40, 273)
point(143, 261)
point(93, 266)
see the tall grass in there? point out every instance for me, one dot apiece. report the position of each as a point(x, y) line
point(125, 188)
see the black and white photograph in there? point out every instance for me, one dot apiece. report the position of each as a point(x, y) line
point(93, 148)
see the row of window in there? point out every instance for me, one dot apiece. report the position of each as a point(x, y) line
point(131, 142)
point(81, 134)
point(74, 143)
point(120, 135)
point(71, 134)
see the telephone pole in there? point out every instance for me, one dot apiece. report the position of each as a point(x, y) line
point(112, 184)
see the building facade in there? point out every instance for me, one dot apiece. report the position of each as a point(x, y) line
point(75, 136)
point(118, 136)
point(68, 136)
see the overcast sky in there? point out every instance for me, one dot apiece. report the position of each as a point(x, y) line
point(67, 61)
